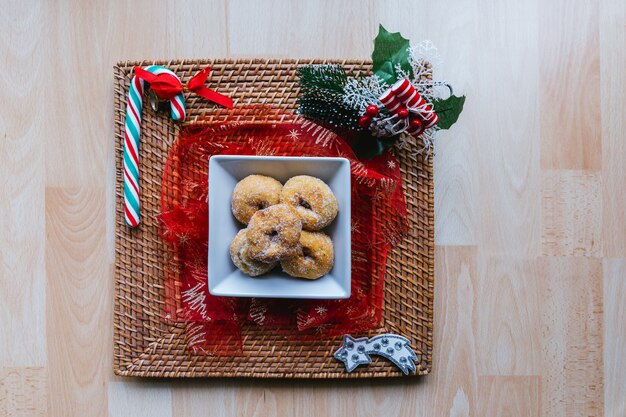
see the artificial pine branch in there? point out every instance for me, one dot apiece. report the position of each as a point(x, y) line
point(321, 96)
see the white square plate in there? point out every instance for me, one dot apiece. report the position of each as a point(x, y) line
point(224, 278)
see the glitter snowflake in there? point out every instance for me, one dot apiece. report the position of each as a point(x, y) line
point(183, 238)
point(354, 228)
point(262, 149)
point(361, 92)
point(294, 134)
point(321, 310)
point(321, 329)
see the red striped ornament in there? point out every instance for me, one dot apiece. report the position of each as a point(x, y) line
point(391, 102)
point(406, 94)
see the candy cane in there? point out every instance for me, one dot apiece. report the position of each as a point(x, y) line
point(131, 140)
point(398, 121)
point(406, 93)
point(390, 101)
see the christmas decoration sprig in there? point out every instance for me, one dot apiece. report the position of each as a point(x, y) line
point(399, 103)
point(322, 93)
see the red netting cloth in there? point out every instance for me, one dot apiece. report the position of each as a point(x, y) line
point(378, 222)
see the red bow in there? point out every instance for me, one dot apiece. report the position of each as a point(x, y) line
point(166, 86)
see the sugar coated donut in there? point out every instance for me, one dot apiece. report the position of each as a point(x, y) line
point(239, 253)
point(274, 233)
point(254, 193)
point(316, 259)
point(313, 199)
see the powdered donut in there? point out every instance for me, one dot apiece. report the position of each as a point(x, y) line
point(313, 199)
point(254, 193)
point(241, 258)
point(316, 259)
point(274, 233)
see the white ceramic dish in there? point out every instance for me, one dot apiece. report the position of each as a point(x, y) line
point(224, 278)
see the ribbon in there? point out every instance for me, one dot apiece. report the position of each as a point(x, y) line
point(167, 86)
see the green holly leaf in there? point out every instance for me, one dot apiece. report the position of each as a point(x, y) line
point(390, 49)
point(448, 110)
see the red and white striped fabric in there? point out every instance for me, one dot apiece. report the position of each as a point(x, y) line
point(406, 94)
point(391, 102)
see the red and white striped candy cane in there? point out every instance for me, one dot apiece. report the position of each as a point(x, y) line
point(399, 114)
point(414, 102)
point(391, 102)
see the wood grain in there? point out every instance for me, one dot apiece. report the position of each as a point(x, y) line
point(22, 225)
point(509, 295)
point(453, 388)
point(301, 398)
point(455, 175)
point(199, 400)
point(517, 396)
point(139, 399)
point(572, 337)
point(570, 85)
point(530, 196)
point(299, 22)
point(613, 126)
point(23, 392)
point(571, 213)
point(614, 336)
point(508, 216)
point(79, 302)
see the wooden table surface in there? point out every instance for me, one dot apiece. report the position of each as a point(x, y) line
point(530, 315)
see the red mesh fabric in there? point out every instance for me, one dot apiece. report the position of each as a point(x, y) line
point(378, 222)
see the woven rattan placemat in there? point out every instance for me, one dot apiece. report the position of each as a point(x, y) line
point(144, 345)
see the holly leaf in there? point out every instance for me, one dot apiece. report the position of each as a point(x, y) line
point(448, 110)
point(390, 49)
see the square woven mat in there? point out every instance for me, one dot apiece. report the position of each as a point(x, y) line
point(146, 346)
